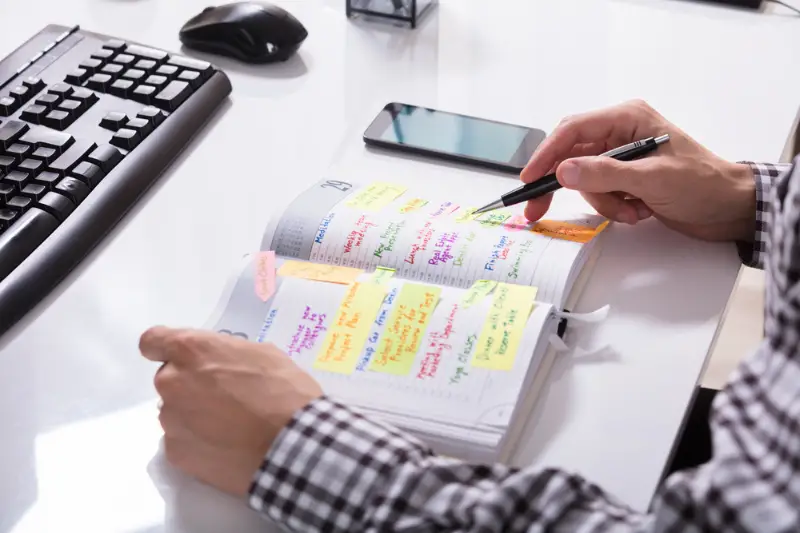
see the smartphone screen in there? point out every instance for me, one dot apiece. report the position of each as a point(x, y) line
point(460, 137)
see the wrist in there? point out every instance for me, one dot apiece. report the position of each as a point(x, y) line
point(743, 200)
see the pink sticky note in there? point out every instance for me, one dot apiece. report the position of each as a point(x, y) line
point(265, 275)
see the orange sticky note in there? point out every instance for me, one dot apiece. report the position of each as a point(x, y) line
point(567, 230)
point(265, 275)
point(319, 272)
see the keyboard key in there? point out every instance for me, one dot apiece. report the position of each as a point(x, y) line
point(31, 166)
point(17, 179)
point(73, 107)
point(112, 70)
point(77, 76)
point(115, 44)
point(71, 157)
point(21, 94)
point(57, 140)
point(50, 101)
point(34, 84)
point(57, 205)
point(57, 119)
point(126, 139)
point(61, 89)
point(72, 188)
point(141, 125)
point(145, 64)
point(11, 131)
point(121, 88)
point(106, 157)
point(91, 65)
point(8, 106)
point(203, 67)
point(172, 96)
point(20, 203)
point(156, 81)
point(143, 94)
point(45, 154)
point(47, 179)
point(158, 56)
point(99, 82)
point(124, 59)
point(153, 114)
point(7, 218)
point(18, 151)
point(103, 54)
point(113, 121)
point(6, 164)
point(6, 192)
point(134, 74)
point(168, 71)
point(34, 191)
point(86, 97)
point(27, 233)
point(89, 173)
point(192, 77)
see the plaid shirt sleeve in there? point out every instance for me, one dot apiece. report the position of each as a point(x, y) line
point(753, 252)
point(332, 469)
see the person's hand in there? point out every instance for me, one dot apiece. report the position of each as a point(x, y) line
point(224, 402)
point(681, 183)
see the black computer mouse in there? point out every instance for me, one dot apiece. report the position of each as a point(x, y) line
point(249, 31)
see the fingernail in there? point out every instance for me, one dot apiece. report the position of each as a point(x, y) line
point(643, 211)
point(570, 175)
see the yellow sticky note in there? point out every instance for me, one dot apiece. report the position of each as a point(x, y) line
point(493, 218)
point(479, 290)
point(350, 328)
point(382, 275)
point(413, 205)
point(376, 196)
point(405, 330)
point(319, 272)
point(467, 215)
point(499, 340)
point(567, 231)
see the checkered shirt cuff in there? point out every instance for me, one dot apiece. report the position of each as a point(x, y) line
point(754, 252)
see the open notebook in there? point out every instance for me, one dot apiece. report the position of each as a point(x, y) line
point(414, 309)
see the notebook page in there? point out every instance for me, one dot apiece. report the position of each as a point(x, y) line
point(440, 381)
point(426, 236)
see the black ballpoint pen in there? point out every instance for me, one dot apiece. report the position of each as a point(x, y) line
point(549, 183)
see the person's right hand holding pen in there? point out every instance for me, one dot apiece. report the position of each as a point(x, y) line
point(682, 184)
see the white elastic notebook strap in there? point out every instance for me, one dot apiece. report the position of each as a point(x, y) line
point(577, 319)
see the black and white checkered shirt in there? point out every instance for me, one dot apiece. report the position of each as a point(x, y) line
point(332, 469)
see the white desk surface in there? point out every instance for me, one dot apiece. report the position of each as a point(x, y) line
point(80, 438)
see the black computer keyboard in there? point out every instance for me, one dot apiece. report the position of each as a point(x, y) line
point(87, 124)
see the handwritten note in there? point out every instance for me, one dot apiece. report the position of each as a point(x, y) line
point(413, 205)
point(499, 340)
point(350, 327)
point(568, 231)
point(319, 272)
point(311, 326)
point(493, 218)
point(479, 290)
point(439, 345)
point(265, 275)
point(382, 275)
point(376, 196)
point(467, 215)
point(405, 329)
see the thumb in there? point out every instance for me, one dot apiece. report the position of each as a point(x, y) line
point(601, 174)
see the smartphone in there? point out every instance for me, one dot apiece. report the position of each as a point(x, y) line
point(443, 135)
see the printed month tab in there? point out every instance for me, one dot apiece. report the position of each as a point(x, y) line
point(499, 340)
point(319, 272)
point(568, 231)
point(405, 329)
point(376, 196)
point(350, 328)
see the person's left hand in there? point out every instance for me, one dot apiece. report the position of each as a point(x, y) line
point(225, 400)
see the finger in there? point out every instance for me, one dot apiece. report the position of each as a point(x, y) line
point(613, 126)
point(164, 344)
point(581, 150)
point(165, 379)
point(612, 207)
point(605, 174)
point(536, 209)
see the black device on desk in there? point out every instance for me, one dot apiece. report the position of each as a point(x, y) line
point(442, 135)
point(87, 124)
